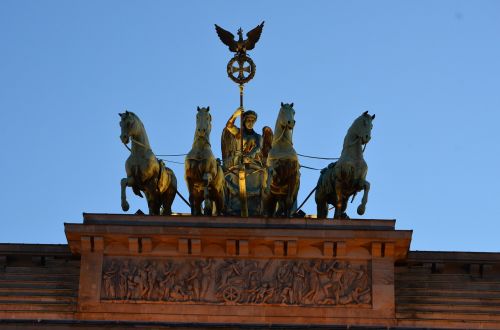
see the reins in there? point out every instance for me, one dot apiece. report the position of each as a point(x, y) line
point(138, 143)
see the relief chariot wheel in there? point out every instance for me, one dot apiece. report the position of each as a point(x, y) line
point(241, 69)
point(231, 294)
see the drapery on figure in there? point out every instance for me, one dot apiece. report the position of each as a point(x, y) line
point(254, 156)
point(255, 146)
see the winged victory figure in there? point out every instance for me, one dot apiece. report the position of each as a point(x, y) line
point(255, 151)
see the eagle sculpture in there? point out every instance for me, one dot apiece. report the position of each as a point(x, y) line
point(240, 46)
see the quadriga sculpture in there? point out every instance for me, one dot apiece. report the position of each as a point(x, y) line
point(346, 177)
point(203, 174)
point(144, 171)
point(283, 167)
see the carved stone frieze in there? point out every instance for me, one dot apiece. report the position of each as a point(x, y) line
point(236, 281)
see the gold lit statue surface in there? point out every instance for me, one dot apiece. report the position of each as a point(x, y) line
point(283, 167)
point(253, 156)
point(204, 176)
point(347, 176)
point(144, 171)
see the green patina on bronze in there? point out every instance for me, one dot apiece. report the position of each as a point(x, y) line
point(144, 171)
point(347, 176)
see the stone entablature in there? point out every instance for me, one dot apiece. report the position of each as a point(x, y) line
point(39, 283)
point(248, 271)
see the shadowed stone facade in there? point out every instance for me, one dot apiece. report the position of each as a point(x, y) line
point(123, 271)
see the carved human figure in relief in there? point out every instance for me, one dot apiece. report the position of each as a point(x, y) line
point(168, 281)
point(207, 277)
point(314, 281)
point(195, 279)
point(123, 279)
point(298, 284)
point(152, 279)
point(109, 280)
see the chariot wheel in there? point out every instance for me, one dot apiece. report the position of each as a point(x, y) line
point(231, 294)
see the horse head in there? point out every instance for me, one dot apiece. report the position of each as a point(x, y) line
point(361, 128)
point(286, 116)
point(129, 126)
point(284, 123)
point(203, 123)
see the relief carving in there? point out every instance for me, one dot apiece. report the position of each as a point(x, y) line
point(232, 281)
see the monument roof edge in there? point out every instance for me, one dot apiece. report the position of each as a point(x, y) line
point(227, 221)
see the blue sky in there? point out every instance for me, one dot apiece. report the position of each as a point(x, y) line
point(429, 70)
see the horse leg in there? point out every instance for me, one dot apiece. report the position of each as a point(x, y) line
point(168, 199)
point(220, 192)
point(154, 203)
point(291, 197)
point(362, 206)
point(207, 207)
point(271, 207)
point(220, 203)
point(269, 198)
point(191, 191)
point(195, 202)
point(125, 182)
point(207, 177)
point(321, 209)
point(344, 208)
point(339, 202)
point(218, 198)
point(191, 202)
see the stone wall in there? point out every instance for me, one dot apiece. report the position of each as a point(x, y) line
point(38, 282)
point(449, 289)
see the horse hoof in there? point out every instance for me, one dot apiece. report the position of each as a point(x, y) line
point(361, 209)
point(125, 206)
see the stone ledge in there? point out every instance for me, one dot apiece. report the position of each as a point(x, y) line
point(232, 222)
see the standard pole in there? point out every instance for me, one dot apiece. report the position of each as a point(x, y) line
point(242, 173)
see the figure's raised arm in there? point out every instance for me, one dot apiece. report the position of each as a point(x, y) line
point(230, 123)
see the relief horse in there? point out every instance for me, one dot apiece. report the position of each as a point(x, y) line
point(283, 179)
point(203, 174)
point(346, 176)
point(144, 171)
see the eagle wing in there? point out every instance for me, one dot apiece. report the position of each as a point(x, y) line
point(253, 36)
point(267, 141)
point(227, 38)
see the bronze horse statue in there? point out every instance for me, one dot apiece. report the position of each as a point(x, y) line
point(346, 176)
point(144, 171)
point(283, 179)
point(203, 174)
